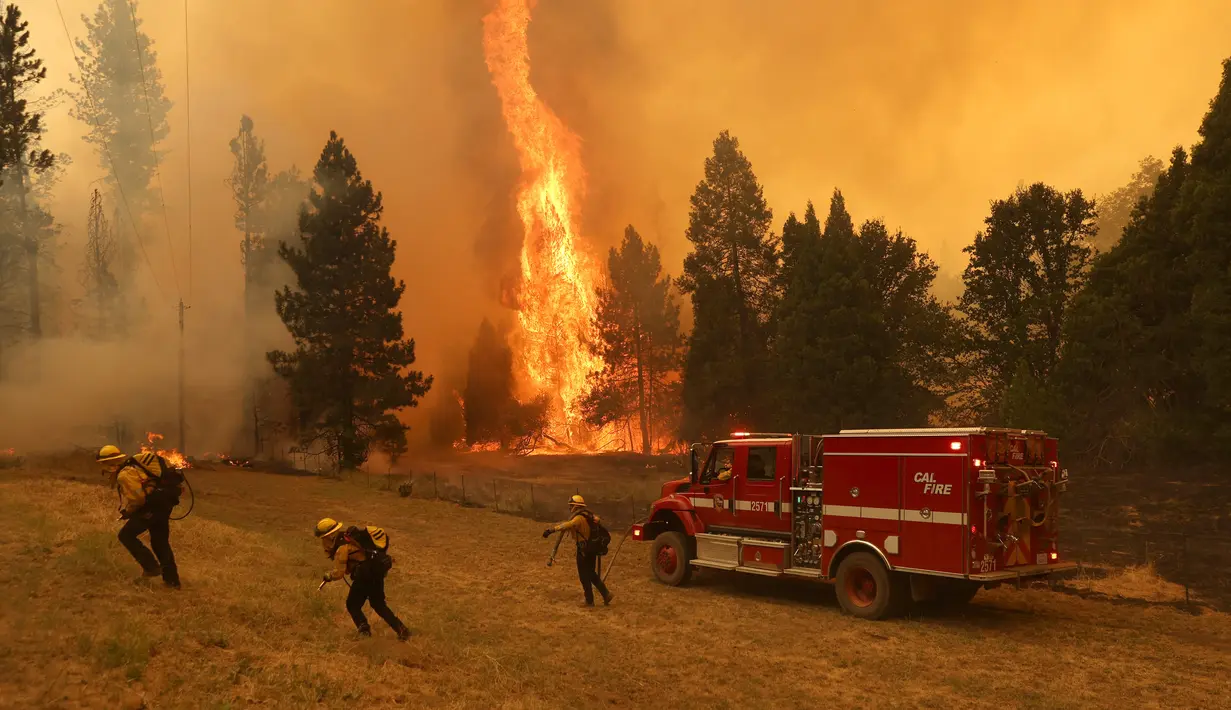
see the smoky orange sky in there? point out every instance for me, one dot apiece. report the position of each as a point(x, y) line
point(919, 112)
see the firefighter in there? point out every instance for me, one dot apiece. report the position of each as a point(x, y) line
point(145, 504)
point(367, 577)
point(588, 569)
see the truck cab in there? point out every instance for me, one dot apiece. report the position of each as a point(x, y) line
point(892, 516)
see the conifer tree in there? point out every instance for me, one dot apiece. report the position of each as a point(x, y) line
point(1116, 207)
point(21, 156)
point(638, 341)
point(350, 371)
point(730, 275)
point(1024, 270)
point(1146, 361)
point(860, 340)
point(488, 397)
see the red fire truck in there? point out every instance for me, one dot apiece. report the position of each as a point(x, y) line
point(890, 516)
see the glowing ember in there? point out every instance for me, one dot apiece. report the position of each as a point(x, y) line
point(555, 301)
point(172, 456)
point(8, 452)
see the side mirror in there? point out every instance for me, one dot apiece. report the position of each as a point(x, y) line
point(694, 461)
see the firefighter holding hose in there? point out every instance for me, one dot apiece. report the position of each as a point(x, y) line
point(149, 490)
point(591, 539)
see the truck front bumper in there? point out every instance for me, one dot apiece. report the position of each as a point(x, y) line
point(1022, 572)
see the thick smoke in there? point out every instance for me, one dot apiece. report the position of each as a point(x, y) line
point(921, 114)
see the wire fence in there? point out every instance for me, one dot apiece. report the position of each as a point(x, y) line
point(1186, 567)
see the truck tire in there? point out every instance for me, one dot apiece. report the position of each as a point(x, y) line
point(866, 589)
point(669, 559)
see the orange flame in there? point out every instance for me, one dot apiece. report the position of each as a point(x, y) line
point(556, 301)
point(8, 452)
point(173, 457)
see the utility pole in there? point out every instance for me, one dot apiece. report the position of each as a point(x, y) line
point(182, 448)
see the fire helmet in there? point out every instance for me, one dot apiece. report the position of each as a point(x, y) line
point(327, 526)
point(109, 454)
point(577, 502)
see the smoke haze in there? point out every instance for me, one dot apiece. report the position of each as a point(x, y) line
point(920, 113)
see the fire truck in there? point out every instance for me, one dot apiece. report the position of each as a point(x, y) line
point(890, 517)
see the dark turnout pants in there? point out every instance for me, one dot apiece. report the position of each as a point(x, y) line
point(368, 586)
point(589, 572)
point(158, 522)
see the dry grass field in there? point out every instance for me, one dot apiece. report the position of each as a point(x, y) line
point(495, 628)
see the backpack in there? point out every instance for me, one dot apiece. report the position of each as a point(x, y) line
point(600, 539)
point(374, 543)
point(167, 479)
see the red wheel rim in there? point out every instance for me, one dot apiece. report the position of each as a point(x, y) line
point(861, 587)
point(667, 560)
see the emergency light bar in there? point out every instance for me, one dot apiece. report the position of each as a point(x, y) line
point(756, 435)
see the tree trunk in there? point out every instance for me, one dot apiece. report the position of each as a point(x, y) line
point(641, 408)
point(31, 244)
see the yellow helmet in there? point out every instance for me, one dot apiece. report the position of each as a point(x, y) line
point(577, 502)
point(327, 526)
point(109, 454)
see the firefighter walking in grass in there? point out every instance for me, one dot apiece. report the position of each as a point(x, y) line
point(362, 553)
point(592, 540)
point(149, 489)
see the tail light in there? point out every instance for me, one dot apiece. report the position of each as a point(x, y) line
point(1054, 555)
point(637, 535)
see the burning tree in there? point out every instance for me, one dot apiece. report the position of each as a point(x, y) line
point(555, 299)
point(638, 342)
point(349, 372)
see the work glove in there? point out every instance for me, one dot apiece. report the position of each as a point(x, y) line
point(327, 578)
point(547, 533)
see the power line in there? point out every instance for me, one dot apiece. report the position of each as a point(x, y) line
point(149, 119)
point(85, 85)
point(188, 112)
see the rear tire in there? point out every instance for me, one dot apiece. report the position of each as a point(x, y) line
point(670, 558)
point(866, 589)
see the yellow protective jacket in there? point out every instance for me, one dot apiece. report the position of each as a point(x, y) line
point(346, 558)
point(135, 485)
point(577, 525)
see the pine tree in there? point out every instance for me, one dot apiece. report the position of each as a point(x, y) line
point(860, 339)
point(488, 397)
point(97, 275)
point(1116, 207)
point(21, 156)
point(350, 371)
point(639, 341)
point(1146, 362)
point(249, 183)
point(730, 275)
point(1024, 270)
point(122, 99)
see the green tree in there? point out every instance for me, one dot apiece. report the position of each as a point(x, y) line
point(1116, 207)
point(350, 371)
point(488, 397)
point(638, 340)
point(21, 155)
point(730, 275)
point(1023, 273)
point(860, 340)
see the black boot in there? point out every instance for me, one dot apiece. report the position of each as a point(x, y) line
point(403, 633)
point(365, 631)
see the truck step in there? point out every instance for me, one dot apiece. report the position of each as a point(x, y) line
point(803, 572)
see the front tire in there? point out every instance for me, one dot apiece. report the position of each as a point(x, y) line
point(866, 589)
point(670, 558)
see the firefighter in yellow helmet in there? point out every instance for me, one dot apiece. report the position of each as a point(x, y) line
point(582, 524)
point(149, 490)
point(367, 570)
